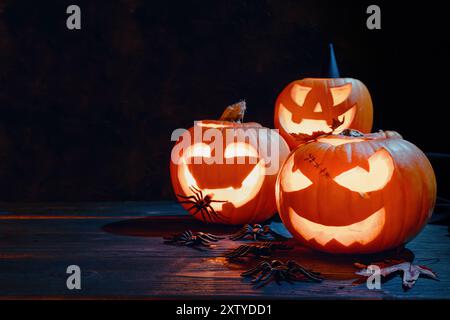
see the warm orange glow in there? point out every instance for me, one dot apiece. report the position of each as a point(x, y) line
point(348, 117)
point(237, 196)
point(198, 150)
point(308, 126)
point(293, 180)
point(212, 125)
point(381, 168)
point(299, 93)
point(318, 107)
point(240, 149)
point(340, 94)
point(362, 232)
point(339, 141)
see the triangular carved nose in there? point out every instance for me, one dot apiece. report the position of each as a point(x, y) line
point(318, 107)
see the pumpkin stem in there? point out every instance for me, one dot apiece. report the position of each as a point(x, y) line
point(351, 133)
point(234, 112)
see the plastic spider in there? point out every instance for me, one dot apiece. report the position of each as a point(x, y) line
point(278, 271)
point(201, 204)
point(256, 232)
point(188, 238)
point(264, 249)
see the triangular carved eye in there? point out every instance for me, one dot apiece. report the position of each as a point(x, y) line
point(299, 93)
point(340, 94)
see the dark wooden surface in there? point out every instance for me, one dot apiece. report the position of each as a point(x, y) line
point(120, 250)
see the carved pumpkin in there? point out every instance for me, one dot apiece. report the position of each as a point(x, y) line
point(240, 170)
point(356, 193)
point(310, 105)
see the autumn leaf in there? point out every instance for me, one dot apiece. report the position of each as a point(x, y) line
point(411, 272)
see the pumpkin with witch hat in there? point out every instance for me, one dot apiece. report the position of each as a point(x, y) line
point(330, 104)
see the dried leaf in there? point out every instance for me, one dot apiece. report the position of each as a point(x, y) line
point(411, 272)
point(336, 123)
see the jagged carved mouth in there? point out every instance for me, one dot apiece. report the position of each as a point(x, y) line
point(236, 193)
point(362, 232)
point(308, 126)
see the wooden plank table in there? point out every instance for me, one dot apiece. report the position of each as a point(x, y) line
point(120, 251)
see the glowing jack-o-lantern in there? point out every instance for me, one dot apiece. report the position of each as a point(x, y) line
point(356, 193)
point(233, 164)
point(310, 105)
point(314, 105)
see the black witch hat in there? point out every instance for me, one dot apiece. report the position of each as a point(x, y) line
point(330, 68)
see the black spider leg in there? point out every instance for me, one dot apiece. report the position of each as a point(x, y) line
point(200, 200)
point(184, 237)
point(272, 273)
point(202, 239)
point(196, 190)
point(235, 253)
point(287, 277)
point(213, 212)
point(189, 200)
point(196, 241)
point(279, 246)
point(255, 269)
point(243, 232)
point(208, 208)
point(200, 203)
point(205, 214)
point(210, 237)
point(198, 208)
point(264, 275)
point(295, 268)
point(199, 192)
point(195, 203)
point(239, 252)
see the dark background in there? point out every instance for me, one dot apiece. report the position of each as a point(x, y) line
point(87, 115)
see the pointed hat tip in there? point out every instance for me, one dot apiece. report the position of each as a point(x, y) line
point(333, 70)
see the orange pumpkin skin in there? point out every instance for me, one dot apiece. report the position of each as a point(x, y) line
point(311, 104)
point(248, 202)
point(331, 205)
